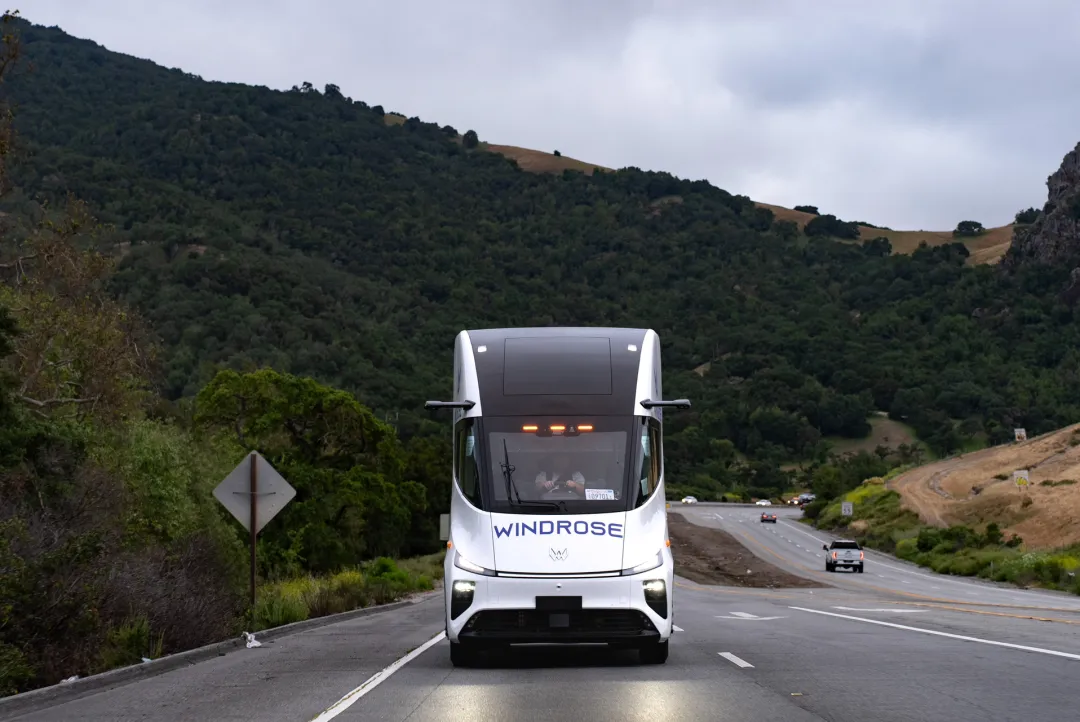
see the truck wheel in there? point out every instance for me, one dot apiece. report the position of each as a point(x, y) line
point(655, 653)
point(829, 567)
point(462, 656)
point(860, 569)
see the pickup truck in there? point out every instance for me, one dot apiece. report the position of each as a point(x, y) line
point(843, 553)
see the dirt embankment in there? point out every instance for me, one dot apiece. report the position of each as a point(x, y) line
point(978, 488)
point(712, 556)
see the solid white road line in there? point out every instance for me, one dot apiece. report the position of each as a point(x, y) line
point(375, 680)
point(1022, 596)
point(892, 611)
point(735, 660)
point(962, 637)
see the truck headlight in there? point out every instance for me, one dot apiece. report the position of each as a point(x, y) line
point(461, 597)
point(645, 566)
point(656, 596)
point(462, 563)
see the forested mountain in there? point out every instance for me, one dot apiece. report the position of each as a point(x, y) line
point(302, 231)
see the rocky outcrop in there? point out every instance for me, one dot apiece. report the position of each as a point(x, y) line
point(1054, 238)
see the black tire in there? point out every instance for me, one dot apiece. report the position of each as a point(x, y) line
point(829, 567)
point(655, 653)
point(860, 569)
point(461, 656)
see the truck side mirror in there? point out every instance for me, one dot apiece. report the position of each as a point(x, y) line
point(825, 547)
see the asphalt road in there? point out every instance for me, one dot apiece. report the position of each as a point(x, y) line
point(740, 654)
point(797, 547)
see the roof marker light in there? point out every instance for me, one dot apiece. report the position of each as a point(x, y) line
point(530, 427)
point(585, 427)
point(558, 427)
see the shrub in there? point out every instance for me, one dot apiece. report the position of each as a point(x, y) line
point(379, 581)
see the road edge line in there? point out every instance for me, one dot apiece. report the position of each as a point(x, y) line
point(61, 693)
point(349, 698)
point(949, 635)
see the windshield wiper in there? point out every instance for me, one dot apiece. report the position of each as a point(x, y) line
point(508, 475)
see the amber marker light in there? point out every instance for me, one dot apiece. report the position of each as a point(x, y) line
point(530, 427)
point(558, 427)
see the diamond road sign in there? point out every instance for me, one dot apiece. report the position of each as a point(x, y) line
point(272, 492)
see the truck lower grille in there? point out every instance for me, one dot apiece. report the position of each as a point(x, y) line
point(602, 622)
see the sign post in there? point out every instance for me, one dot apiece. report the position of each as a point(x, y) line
point(847, 508)
point(267, 494)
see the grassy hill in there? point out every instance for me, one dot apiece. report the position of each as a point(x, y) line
point(987, 248)
point(324, 237)
point(976, 489)
point(964, 515)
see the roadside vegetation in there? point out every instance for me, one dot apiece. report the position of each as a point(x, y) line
point(379, 581)
point(112, 547)
point(880, 522)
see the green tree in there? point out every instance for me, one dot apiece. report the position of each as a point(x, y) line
point(347, 467)
point(969, 228)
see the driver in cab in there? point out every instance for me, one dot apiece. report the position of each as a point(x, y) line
point(561, 471)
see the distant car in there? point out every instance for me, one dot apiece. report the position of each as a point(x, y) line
point(763, 502)
point(843, 553)
point(767, 517)
point(689, 500)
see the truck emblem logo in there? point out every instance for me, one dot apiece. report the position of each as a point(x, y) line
point(557, 555)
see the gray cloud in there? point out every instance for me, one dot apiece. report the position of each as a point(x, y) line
point(911, 113)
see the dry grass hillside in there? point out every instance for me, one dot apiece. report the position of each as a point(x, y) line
point(987, 248)
point(977, 488)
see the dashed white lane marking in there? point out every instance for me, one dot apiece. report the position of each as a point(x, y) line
point(375, 680)
point(677, 628)
point(735, 660)
point(962, 637)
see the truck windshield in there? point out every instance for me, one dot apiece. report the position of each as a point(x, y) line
point(564, 465)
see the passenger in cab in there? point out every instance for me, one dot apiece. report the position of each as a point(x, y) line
point(561, 470)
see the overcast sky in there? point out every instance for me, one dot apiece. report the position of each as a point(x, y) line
point(913, 114)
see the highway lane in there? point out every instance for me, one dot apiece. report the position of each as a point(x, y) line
point(797, 547)
point(741, 654)
point(754, 654)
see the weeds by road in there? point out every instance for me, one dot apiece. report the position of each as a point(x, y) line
point(378, 582)
point(880, 522)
